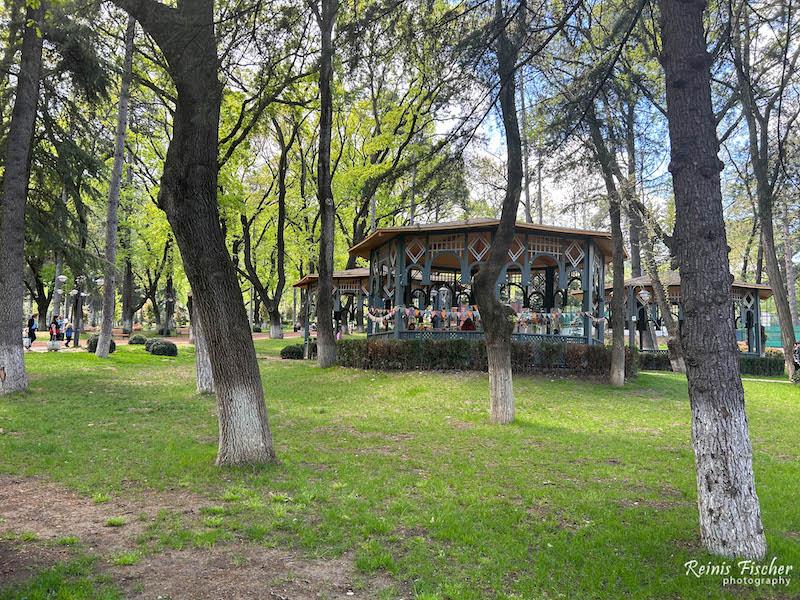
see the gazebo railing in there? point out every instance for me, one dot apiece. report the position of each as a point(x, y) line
point(456, 334)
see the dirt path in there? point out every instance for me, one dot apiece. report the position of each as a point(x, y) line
point(30, 505)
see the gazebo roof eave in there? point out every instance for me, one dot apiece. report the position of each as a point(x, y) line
point(380, 236)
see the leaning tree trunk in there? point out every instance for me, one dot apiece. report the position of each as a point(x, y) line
point(12, 208)
point(605, 159)
point(188, 195)
point(326, 341)
point(673, 332)
point(730, 515)
point(779, 294)
point(498, 320)
point(112, 211)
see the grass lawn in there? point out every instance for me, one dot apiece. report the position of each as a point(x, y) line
point(589, 494)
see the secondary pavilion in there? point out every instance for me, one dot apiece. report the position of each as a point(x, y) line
point(642, 308)
point(348, 284)
point(420, 281)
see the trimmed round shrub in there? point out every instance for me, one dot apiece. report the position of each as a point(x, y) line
point(164, 331)
point(148, 343)
point(256, 329)
point(137, 338)
point(164, 348)
point(91, 344)
point(293, 352)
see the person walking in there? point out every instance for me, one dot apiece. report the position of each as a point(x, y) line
point(796, 355)
point(32, 327)
point(69, 331)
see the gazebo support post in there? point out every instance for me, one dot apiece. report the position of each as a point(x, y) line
point(588, 288)
point(757, 325)
point(632, 313)
point(399, 288)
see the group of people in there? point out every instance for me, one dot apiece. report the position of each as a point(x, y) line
point(56, 330)
point(796, 355)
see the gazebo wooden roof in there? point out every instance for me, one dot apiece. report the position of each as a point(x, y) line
point(337, 276)
point(601, 238)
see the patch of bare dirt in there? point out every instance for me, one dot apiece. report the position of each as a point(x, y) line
point(29, 504)
point(243, 573)
point(19, 559)
point(230, 572)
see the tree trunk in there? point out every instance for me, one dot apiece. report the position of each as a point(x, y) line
point(525, 152)
point(128, 308)
point(275, 325)
point(326, 341)
point(12, 210)
point(498, 324)
point(205, 378)
point(188, 195)
point(58, 285)
point(156, 311)
point(112, 211)
point(758, 128)
point(617, 375)
point(788, 253)
point(730, 516)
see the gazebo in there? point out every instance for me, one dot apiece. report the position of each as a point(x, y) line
point(642, 309)
point(420, 281)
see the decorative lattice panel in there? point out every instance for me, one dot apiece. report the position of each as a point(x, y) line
point(453, 243)
point(516, 249)
point(574, 254)
point(544, 245)
point(415, 250)
point(479, 248)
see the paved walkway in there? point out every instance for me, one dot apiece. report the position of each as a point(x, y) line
point(40, 345)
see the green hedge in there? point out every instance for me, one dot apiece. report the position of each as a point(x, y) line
point(654, 362)
point(771, 364)
point(91, 344)
point(137, 338)
point(463, 355)
point(294, 352)
point(163, 348)
point(150, 341)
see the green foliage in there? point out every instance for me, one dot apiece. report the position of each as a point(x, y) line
point(256, 329)
point(294, 352)
point(470, 355)
point(164, 348)
point(148, 344)
point(91, 344)
point(137, 339)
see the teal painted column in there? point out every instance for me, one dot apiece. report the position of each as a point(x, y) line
point(588, 289)
point(399, 288)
